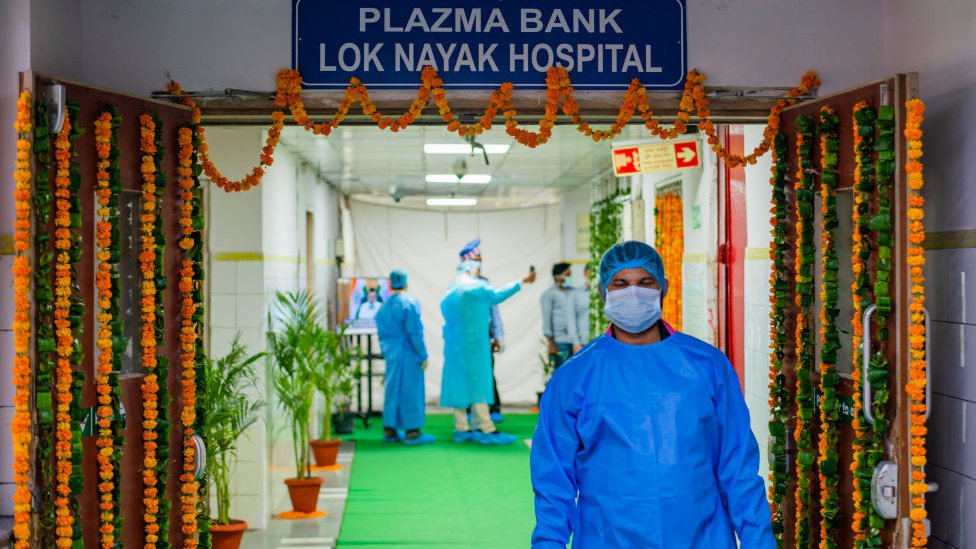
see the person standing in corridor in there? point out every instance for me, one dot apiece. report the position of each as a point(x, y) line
point(559, 316)
point(644, 437)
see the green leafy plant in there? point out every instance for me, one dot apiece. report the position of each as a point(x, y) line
point(230, 412)
point(295, 348)
point(334, 375)
point(606, 229)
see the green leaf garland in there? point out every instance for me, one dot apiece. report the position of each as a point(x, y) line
point(779, 285)
point(804, 333)
point(830, 336)
point(606, 229)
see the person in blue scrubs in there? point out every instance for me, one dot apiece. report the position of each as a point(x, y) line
point(496, 328)
point(644, 437)
point(401, 337)
point(467, 379)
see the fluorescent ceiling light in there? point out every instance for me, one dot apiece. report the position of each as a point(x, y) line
point(451, 178)
point(461, 148)
point(452, 201)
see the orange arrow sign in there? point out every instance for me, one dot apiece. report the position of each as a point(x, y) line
point(658, 156)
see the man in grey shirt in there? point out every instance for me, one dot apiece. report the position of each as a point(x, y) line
point(559, 323)
point(581, 296)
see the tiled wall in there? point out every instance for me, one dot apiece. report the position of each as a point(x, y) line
point(951, 301)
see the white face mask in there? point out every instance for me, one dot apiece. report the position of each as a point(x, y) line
point(633, 309)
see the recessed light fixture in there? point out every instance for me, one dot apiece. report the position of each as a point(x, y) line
point(452, 201)
point(461, 148)
point(478, 179)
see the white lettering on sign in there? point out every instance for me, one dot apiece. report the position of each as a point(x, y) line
point(460, 56)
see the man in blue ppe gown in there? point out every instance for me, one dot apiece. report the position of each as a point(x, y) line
point(467, 379)
point(402, 341)
point(643, 437)
point(496, 329)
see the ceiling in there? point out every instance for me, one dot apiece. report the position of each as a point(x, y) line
point(370, 164)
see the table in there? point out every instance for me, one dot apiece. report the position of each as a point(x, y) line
point(356, 336)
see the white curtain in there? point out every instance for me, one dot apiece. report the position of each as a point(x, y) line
point(426, 244)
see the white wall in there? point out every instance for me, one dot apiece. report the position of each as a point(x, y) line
point(756, 292)
point(256, 246)
point(243, 43)
point(14, 57)
point(938, 40)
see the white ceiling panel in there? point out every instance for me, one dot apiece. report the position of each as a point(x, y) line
point(371, 163)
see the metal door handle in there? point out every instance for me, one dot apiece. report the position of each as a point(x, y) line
point(201, 448)
point(928, 366)
point(866, 365)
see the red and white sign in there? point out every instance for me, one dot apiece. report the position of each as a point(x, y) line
point(659, 156)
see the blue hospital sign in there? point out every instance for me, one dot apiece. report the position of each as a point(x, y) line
point(602, 43)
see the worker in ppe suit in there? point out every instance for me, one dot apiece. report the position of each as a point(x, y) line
point(643, 437)
point(467, 378)
point(402, 342)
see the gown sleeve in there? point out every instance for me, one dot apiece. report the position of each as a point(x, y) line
point(741, 487)
point(497, 295)
point(553, 469)
point(415, 331)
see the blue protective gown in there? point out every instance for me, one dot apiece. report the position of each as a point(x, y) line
point(655, 440)
point(402, 341)
point(467, 350)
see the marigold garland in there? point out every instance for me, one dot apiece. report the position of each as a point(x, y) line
point(189, 487)
point(253, 178)
point(779, 301)
point(153, 433)
point(829, 334)
point(64, 520)
point(559, 95)
point(107, 458)
point(21, 426)
point(915, 110)
point(670, 242)
point(863, 140)
point(804, 334)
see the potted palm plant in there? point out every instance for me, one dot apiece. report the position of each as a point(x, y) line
point(230, 412)
point(295, 351)
point(334, 377)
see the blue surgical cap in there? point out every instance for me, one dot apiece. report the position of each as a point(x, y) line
point(398, 280)
point(631, 255)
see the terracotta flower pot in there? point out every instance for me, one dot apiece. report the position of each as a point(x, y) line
point(326, 451)
point(304, 493)
point(227, 536)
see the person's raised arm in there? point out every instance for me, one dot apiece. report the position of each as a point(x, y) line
point(742, 489)
point(553, 468)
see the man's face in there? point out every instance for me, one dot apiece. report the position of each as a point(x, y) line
point(371, 296)
point(632, 277)
point(562, 277)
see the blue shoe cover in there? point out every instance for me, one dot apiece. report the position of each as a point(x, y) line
point(463, 436)
point(494, 439)
point(424, 438)
point(496, 417)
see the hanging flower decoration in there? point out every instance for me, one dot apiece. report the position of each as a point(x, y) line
point(829, 334)
point(45, 357)
point(915, 110)
point(670, 242)
point(189, 488)
point(880, 223)
point(864, 120)
point(64, 520)
point(804, 334)
point(779, 286)
point(20, 425)
point(253, 178)
point(106, 384)
point(559, 96)
point(152, 433)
